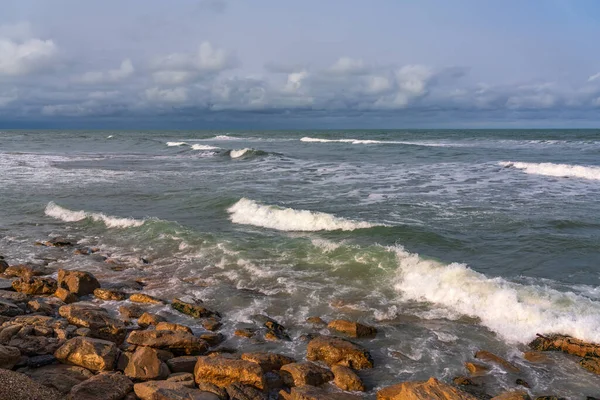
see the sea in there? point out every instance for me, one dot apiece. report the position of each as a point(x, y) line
point(447, 241)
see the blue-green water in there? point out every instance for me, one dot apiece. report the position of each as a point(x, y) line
point(450, 241)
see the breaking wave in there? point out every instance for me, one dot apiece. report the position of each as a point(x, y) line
point(172, 144)
point(366, 141)
point(64, 214)
point(250, 212)
point(558, 170)
point(203, 147)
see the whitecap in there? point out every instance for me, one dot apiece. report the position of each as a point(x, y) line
point(557, 170)
point(175, 144)
point(239, 153)
point(203, 147)
point(55, 211)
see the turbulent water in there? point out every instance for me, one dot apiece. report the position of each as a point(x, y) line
point(447, 241)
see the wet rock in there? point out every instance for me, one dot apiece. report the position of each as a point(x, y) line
point(463, 381)
point(332, 350)
point(66, 296)
point(276, 331)
point(476, 369)
point(592, 364)
point(13, 297)
point(565, 344)
point(9, 309)
point(165, 390)
point(431, 389)
point(80, 283)
point(268, 361)
point(109, 294)
point(316, 321)
point(245, 332)
point(535, 357)
point(522, 382)
point(212, 324)
point(220, 392)
point(213, 339)
point(26, 271)
point(222, 372)
point(170, 326)
point(144, 298)
point(59, 376)
point(35, 285)
point(86, 251)
point(193, 310)
point(41, 361)
point(513, 395)
point(97, 319)
point(185, 378)
point(145, 365)
point(14, 385)
point(352, 329)
point(305, 373)
point(132, 311)
point(147, 319)
point(180, 343)
point(3, 265)
point(491, 357)
point(55, 242)
point(347, 379)
point(549, 398)
point(9, 356)
point(105, 385)
point(93, 354)
point(182, 364)
point(237, 391)
point(315, 393)
point(34, 345)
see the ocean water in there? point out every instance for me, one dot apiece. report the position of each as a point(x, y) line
point(447, 241)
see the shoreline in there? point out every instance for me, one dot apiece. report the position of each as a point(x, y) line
point(52, 323)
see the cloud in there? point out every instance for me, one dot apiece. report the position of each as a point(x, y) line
point(22, 55)
point(124, 71)
point(176, 95)
point(347, 65)
point(205, 59)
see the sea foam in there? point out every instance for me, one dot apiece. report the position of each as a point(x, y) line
point(239, 153)
point(249, 212)
point(64, 214)
point(174, 144)
point(515, 311)
point(368, 141)
point(558, 170)
point(203, 147)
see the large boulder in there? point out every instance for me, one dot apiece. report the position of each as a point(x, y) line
point(180, 343)
point(9, 356)
point(104, 386)
point(429, 390)
point(223, 371)
point(347, 379)
point(305, 373)
point(93, 354)
point(35, 285)
point(332, 350)
point(238, 391)
point(61, 377)
point(109, 294)
point(171, 326)
point(26, 271)
point(565, 344)
point(97, 319)
point(14, 385)
point(165, 390)
point(268, 361)
point(9, 309)
point(193, 310)
point(147, 319)
point(80, 283)
point(145, 364)
point(493, 358)
point(182, 364)
point(352, 329)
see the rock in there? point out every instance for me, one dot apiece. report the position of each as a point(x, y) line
point(9, 356)
point(108, 294)
point(276, 331)
point(268, 361)
point(55, 242)
point(346, 379)
point(97, 319)
point(33, 345)
point(93, 354)
point(476, 369)
point(144, 298)
point(222, 372)
point(333, 350)
point(316, 321)
point(26, 271)
point(145, 365)
point(104, 386)
point(245, 332)
point(565, 344)
point(180, 343)
point(3, 265)
point(35, 285)
point(211, 324)
point(491, 357)
point(132, 311)
point(212, 339)
point(185, 378)
point(220, 392)
point(17, 386)
point(182, 364)
point(59, 376)
point(165, 390)
point(238, 391)
point(9, 309)
point(41, 361)
point(80, 283)
point(13, 297)
point(463, 381)
point(535, 357)
point(305, 373)
point(352, 329)
point(592, 364)
point(430, 390)
point(65, 295)
point(315, 393)
point(513, 395)
point(522, 382)
point(193, 310)
point(147, 319)
point(170, 326)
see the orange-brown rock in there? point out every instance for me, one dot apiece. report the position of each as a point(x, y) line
point(165, 390)
point(347, 379)
point(565, 344)
point(513, 395)
point(304, 373)
point(171, 326)
point(144, 298)
point(245, 332)
point(193, 310)
point(105, 385)
point(491, 357)
point(223, 371)
point(9, 356)
point(97, 319)
point(26, 271)
point(182, 364)
point(268, 361)
point(185, 378)
point(476, 369)
point(244, 392)
point(429, 390)
point(333, 351)
point(131, 311)
point(316, 321)
point(35, 285)
point(93, 354)
point(220, 392)
point(180, 343)
point(147, 319)
point(109, 294)
point(352, 329)
point(315, 393)
point(592, 364)
point(535, 357)
point(65, 295)
point(144, 364)
point(80, 283)
point(211, 323)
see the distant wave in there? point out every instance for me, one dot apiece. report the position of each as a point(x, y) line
point(64, 214)
point(558, 170)
point(203, 147)
point(250, 212)
point(173, 144)
point(366, 141)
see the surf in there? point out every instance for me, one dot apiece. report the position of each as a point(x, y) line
point(64, 214)
point(557, 170)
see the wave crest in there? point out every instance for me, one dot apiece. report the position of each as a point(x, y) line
point(558, 170)
point(64, 214)
point(368, 141)
point(175, 144)
point(249, 212)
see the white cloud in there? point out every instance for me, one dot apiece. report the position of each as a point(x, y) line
point(100, 95)
point(124, 71)
point(175, 95)
point(25, 57)
point(347, 65)
point(294, 81)
point(205, 59)
point(595, 77)
point(173, 77)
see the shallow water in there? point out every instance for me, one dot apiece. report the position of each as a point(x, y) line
point(448, 241)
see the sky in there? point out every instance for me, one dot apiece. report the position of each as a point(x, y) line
point(235, 64)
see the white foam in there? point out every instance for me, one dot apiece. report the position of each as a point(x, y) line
point(55, 211)
point(366, 141)
point(249, 212)
point(558, 170)
point(203, 147)
point(514, 311)
point(239, 153)
point(175, 144)
point(225, 137)
point(109, 136)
